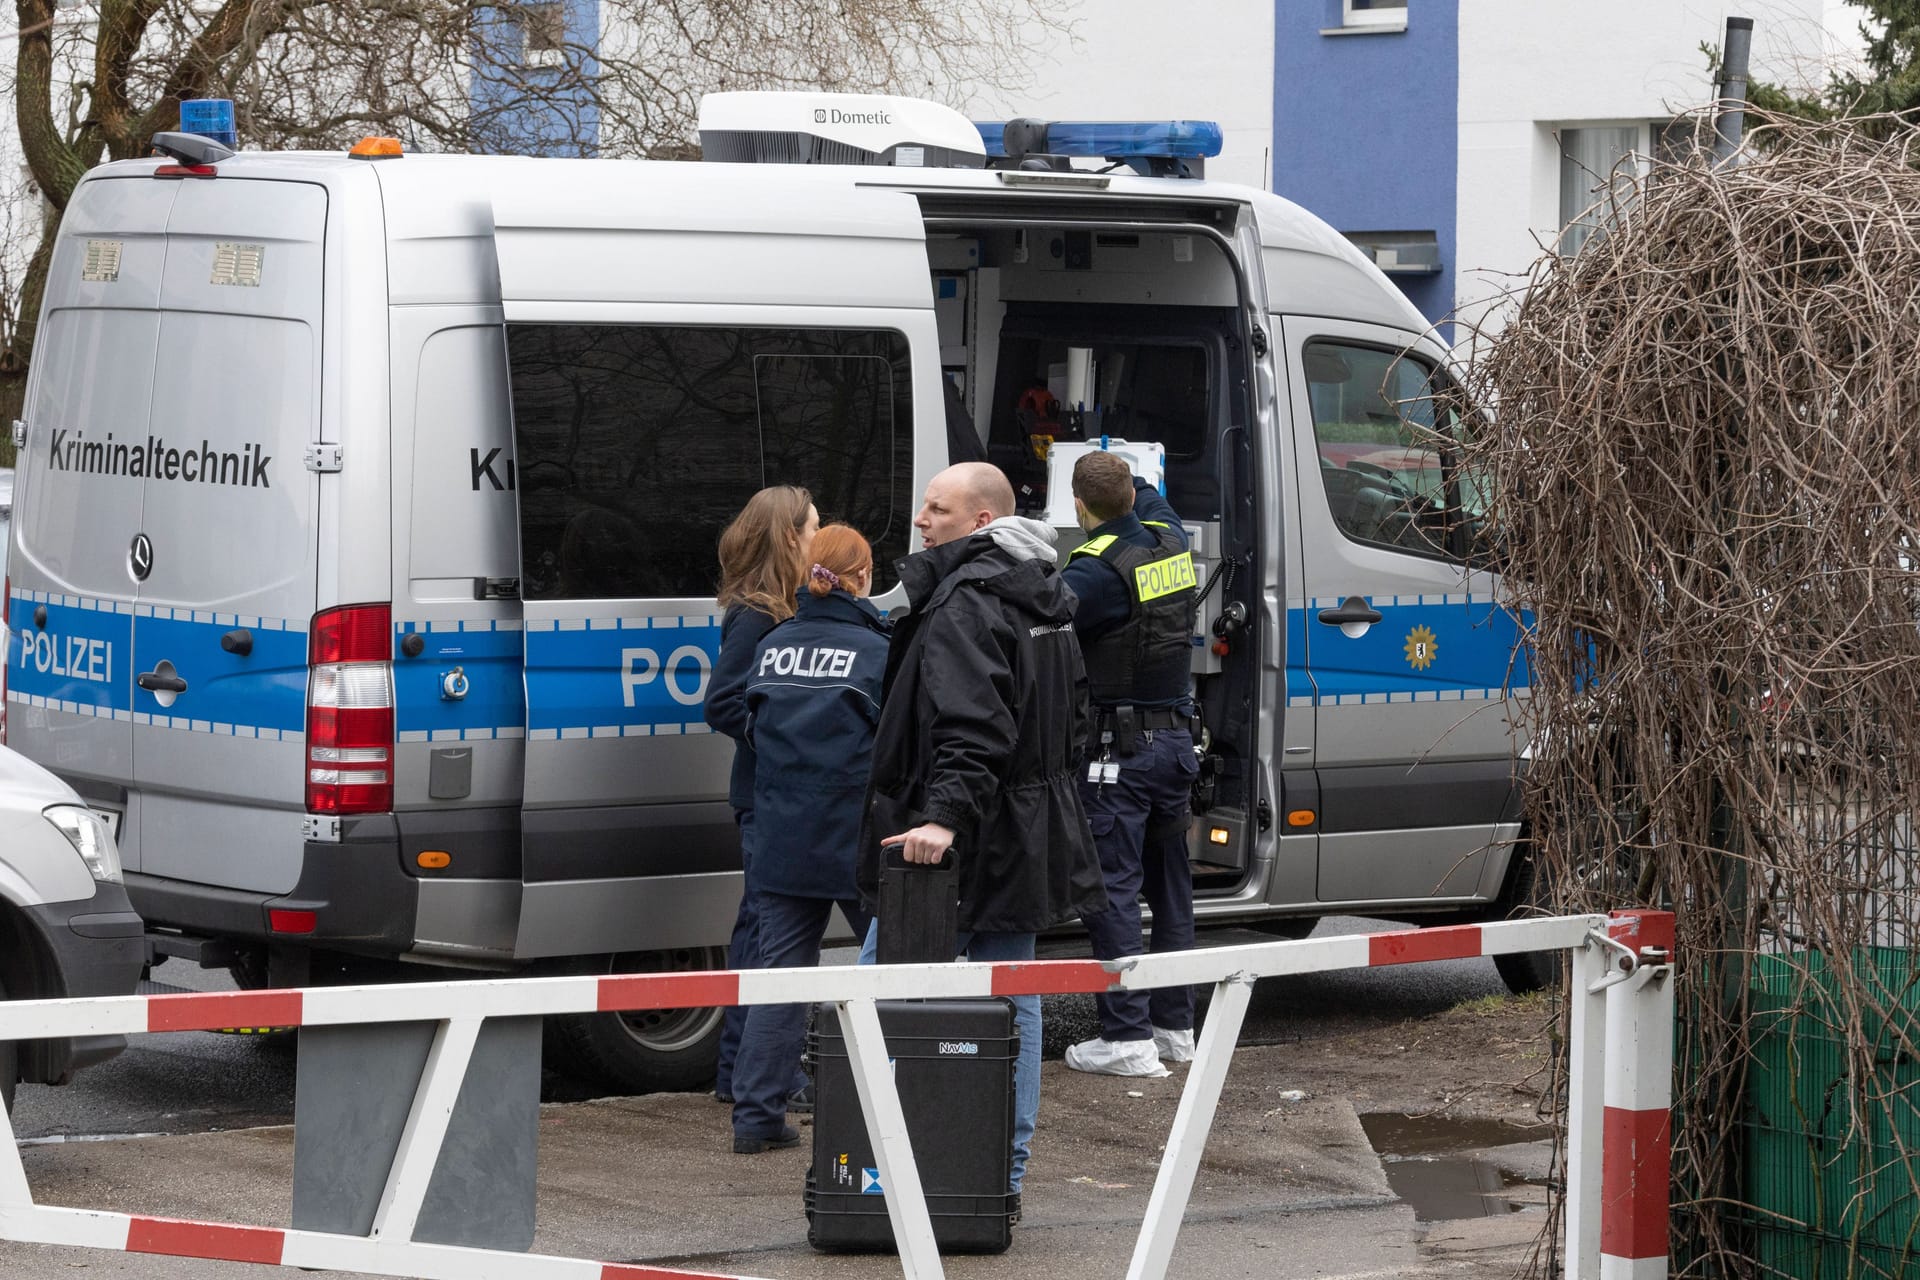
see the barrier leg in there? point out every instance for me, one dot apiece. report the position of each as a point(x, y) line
point(426, 1129)
point(14, 1192)
point(1188, 1138)
point(887, 1127)
point(1586, 1109)
point(1639, 1125)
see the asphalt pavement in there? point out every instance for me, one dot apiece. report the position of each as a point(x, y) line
point(1289, 1187)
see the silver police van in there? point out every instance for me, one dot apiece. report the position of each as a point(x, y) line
point(364, 547)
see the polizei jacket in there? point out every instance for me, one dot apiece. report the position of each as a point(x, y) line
point(813, 698)
point(983, 729)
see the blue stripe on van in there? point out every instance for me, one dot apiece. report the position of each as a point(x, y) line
point(619, 677)
point(78, 661)
point(487, 653)
point(266, 691)
point(84, 661)
point(1433, 648)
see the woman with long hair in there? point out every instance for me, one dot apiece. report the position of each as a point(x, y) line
point(763, 555)
point(813, 698)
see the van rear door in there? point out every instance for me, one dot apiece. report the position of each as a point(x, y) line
point(78, 501)
point(672, 348)
point(220, 627)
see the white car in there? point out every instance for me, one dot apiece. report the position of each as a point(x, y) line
point(66, 927)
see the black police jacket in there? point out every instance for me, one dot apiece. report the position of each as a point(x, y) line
point(813, 698)
point(725, 709)
point(983, 726)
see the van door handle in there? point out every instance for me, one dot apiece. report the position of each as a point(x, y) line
point(1352, 609)
point(154, 682)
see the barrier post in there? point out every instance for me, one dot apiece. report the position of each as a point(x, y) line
point(1187, 1139)
point(426, 1129)
point(14, 1191)
point(1586, 1106)
point(892, 1151)
point(1638, 1144)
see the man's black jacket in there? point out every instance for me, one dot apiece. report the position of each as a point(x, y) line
point(983, 729)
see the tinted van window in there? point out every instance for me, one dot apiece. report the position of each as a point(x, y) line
point(636, 444)
point(1389, 470)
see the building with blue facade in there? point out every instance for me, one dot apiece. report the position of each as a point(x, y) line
point(1366, 130)
point(1454, 140)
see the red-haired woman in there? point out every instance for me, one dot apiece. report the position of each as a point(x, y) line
point(813, 698)
point(764, 554)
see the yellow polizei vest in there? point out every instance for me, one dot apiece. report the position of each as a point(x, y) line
point(1146, 658)
point(1156, 578)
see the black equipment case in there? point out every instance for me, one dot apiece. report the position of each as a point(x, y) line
point(953, 1068)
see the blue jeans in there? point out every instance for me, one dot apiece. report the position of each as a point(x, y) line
point(1026, 1019)
point(776, 1034)
point(1139, 825)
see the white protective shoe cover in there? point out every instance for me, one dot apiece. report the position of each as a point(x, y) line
point(1174, 1046)
point(1116, 1058)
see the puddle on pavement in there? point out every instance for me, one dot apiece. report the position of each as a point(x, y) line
point(1425, 1165)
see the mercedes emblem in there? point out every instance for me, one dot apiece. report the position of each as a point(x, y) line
point(140, 557)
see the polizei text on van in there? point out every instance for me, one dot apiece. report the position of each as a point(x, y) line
point(72, 451)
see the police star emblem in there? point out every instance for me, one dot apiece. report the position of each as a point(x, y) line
point(1422, 649)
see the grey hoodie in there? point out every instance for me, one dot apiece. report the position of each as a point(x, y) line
point(1023, 538)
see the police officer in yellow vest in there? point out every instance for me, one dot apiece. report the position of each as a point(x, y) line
point(1134, 580)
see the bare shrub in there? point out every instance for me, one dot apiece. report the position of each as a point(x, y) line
point(1705, 483)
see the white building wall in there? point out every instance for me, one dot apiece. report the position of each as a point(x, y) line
point(1530, 67)
point(1150, 60)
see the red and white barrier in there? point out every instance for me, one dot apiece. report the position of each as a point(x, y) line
point(1637, 1140)
point(1617, 1130)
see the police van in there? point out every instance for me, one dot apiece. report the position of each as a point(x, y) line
point(364, 549)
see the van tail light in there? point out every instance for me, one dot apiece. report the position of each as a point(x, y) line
point(350, 710)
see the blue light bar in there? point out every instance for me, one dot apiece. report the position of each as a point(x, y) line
point(210, 118)
point(1116, 140)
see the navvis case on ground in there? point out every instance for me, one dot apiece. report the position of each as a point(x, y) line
point(953, 1067)
point(364, 541)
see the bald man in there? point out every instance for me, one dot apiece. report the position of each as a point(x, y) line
point(982, 737)
point(965, 498)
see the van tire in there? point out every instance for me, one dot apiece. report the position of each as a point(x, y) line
point(647, 1051)
point(1526, 895)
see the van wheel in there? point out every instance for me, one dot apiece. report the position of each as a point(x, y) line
point(1527, 895)
point(647, 1050)
point(9, 1065)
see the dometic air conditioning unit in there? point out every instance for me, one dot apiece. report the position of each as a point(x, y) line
point(837, 128)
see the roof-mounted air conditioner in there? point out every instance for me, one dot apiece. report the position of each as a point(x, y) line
point(837, 128)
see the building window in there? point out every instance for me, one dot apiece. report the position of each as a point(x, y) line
point(1375, 13)
point(1599, 170)
point(543, 30)
point(1400, 253)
